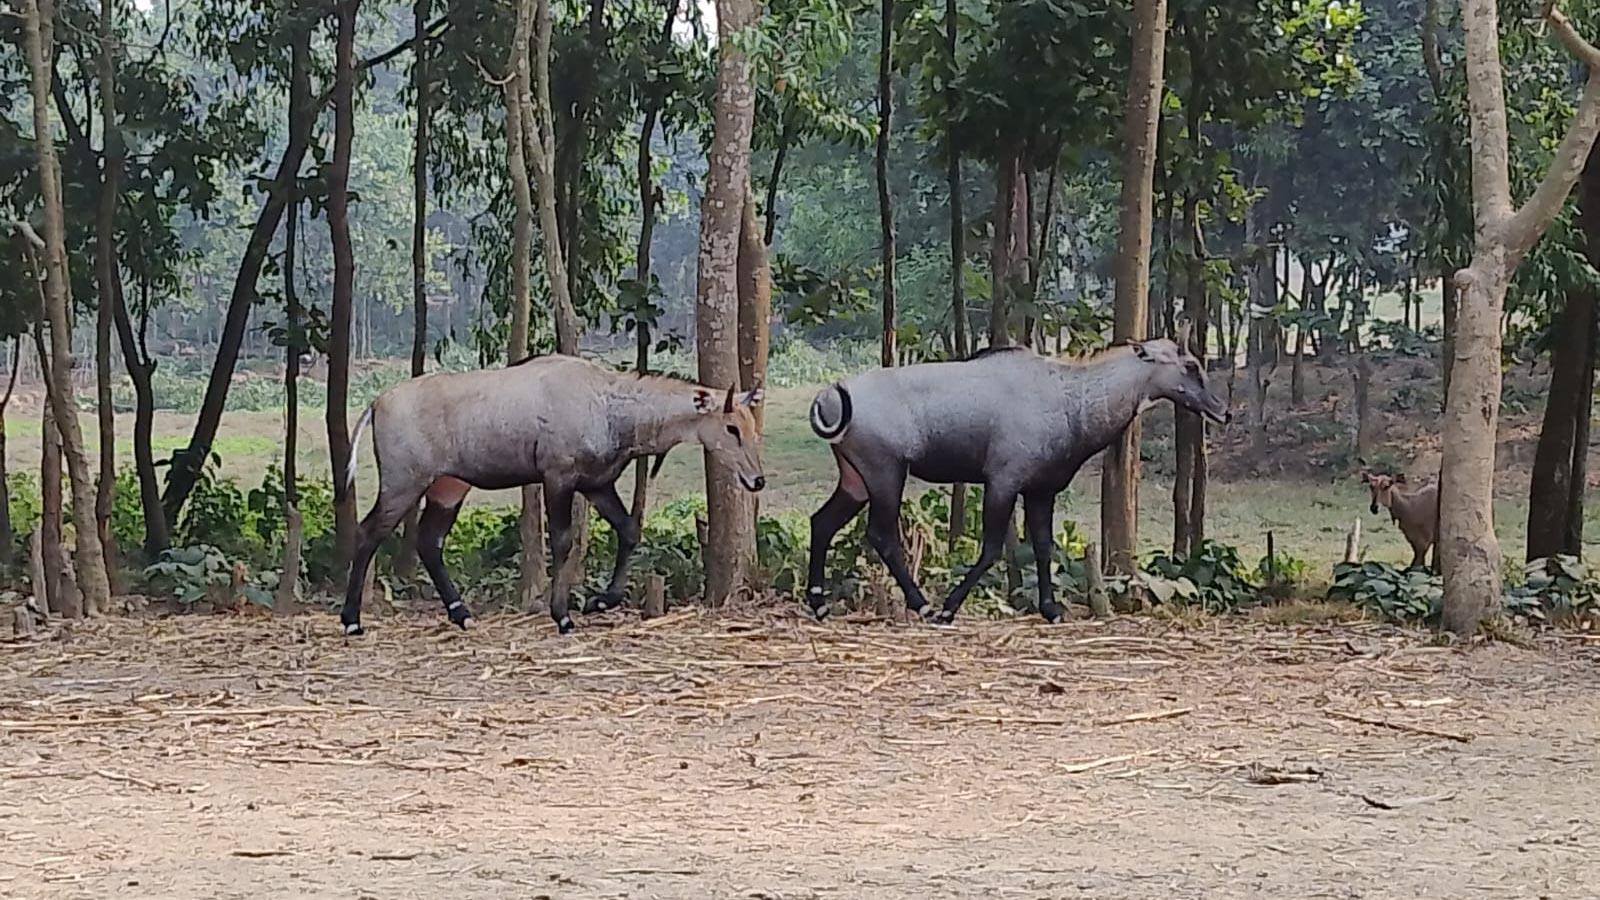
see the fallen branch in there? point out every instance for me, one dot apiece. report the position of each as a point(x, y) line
point(1403, 804)
point(1398, 726)
point(1147, 716)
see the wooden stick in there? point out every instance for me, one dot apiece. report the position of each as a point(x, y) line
point(1397, 726)
point(655, 597)
point(1098, 602)
point(1148, 716)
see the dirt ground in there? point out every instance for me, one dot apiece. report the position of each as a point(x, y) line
point(760, 756)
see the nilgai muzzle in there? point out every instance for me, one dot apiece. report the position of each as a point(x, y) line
point(560, 421)
point(1017, 423)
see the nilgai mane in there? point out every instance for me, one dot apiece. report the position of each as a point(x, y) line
point(1008, 419)
point(1415, 510)
point(560, 421)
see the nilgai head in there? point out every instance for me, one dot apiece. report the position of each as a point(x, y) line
point(728, 430)
point(1180, 377)
point(1381, 486)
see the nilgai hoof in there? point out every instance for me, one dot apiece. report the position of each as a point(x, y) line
point(817, 602)
point(602, 602)
point(353, 629)
point(943, 617)
point(565, 626)
point(460, 616)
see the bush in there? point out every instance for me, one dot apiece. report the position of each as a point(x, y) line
point(1220, 580)
point(191, 574)
point(1397, 595)
point(1282, 570)
point(1554, 590)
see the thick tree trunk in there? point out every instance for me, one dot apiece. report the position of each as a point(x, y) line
point(643, 335)
point(1010, 230)
point(38, 19)
point(60, 598)
point(1468, 549)
point(344, 280)
point(885, 200)
point(533, 577)
point(1119, 477)
point(405, 558)
point(958, 249)
point(1188, 428)
point(729, 537)
point(105, 276)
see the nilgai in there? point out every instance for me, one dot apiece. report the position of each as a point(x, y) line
point(1415, 510)
point(560, 421)
point(1015, 422)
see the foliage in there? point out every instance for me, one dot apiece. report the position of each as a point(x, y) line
point(1554, 590)
point(1397, 595)
point(1221, 581)
point(1283, 570)
point(191, 574)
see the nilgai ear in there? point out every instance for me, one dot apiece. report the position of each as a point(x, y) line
point(704, 401)
point(1139, 350)
point(727, 405)
point(753, 397)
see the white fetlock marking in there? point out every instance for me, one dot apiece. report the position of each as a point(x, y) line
point(815, 591)
point(565, 623)
point(455, 606)
point(352, 628)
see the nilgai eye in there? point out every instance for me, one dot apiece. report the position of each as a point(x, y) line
point(734, 431)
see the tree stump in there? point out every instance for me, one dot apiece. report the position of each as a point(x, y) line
point(1352, 543)
point(655, 597)
point(36, 571)
point(1099, 604)
point(21, 621)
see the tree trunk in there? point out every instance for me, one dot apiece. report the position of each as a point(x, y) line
point(755, 305)
point(532, 578)
point(1119, 476)
point(1297, 385)
point(1468, 549)
point(8, 537)
point(729, 538)
point(287, 599)
point(405, 557)
point(105, 276)
point(958, 250)
point(157, 529)
point(1009, 208)
point(59, 597)
point(885, 200)
point(187, 464)
point(344, 280)
point(647, 225)
point(38, 19)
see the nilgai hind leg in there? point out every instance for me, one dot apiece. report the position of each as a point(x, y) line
point(391, 506)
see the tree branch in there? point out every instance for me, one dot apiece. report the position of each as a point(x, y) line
point(1523, 229)
point(23, 228)
point(433, 32)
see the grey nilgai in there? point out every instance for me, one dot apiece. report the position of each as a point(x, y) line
point(1015, 422)
point(560, 421)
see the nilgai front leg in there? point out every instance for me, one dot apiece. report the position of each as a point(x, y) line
point(610, 507)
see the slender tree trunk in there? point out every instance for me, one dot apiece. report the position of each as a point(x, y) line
point(958, 249)
point(786, 139)
point(157, 530)
point(1468, 549)
point(532, 579)
point(344, 279)
point(755, 304)
point(405, 557)
point(56, 592)
point(105, 276)
point(643, 335)
point(885, 200)
point(1010, 186)
point(8, 537)
point(287, 599)
point(38, 29)
point(729, 537)
point(1119, 477)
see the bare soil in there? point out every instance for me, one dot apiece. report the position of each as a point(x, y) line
point(760, 756)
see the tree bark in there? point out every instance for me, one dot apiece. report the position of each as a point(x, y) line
point(344, 279)
point(1119, 476)
point(885, 200)
point(1009, 206)
point(38, 28)
point(157, 529)
point(533, 577)
point(1567, 405)
point(755, 305)
point(405, 558)
point(1468, 549)
point(106, 275)
point(287, 598)
point(729, 538)
point(958, 250)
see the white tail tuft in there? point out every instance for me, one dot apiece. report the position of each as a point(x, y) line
point(838, 399)
point(355, 447)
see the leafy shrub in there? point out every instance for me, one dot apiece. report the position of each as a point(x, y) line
point(1398, 595)
point(26, 507)
point(1128, 591)
point(1281, 570)
point(217, 514)
point(1554, 589)
point(314, 499)
point(1220, 580)
point(190, 574)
